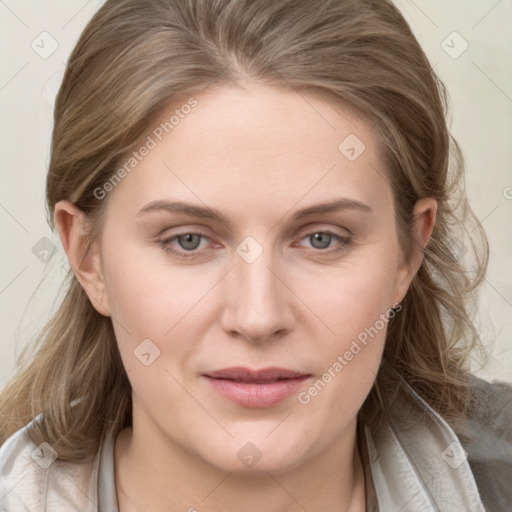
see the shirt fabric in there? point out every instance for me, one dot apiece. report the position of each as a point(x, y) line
point(415, 463)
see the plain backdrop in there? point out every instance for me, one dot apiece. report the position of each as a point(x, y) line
point(468, 42)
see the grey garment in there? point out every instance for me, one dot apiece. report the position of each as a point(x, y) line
point(487, 438)
point(107, 498)
point(408, 463)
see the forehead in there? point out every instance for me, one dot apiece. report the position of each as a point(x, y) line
point(270, 145)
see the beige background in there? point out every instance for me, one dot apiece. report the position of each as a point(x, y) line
point(478, 79)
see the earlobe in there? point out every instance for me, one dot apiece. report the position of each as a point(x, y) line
point(424, 215)
point(86, 264)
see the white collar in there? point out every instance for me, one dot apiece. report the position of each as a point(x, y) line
point(417, 462)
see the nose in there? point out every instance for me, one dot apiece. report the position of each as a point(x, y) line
point(259, 304)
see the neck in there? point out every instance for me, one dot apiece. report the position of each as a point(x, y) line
point(150, 476)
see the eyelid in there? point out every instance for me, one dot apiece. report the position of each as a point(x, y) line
point(305, 231)
point(325, 228)
point(325, 232)
point(165, 241)
point(342, 239)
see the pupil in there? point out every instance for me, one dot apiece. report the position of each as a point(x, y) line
point(319, 236)
point(189, 239)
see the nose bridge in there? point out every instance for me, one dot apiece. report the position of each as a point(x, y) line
point(258, 305)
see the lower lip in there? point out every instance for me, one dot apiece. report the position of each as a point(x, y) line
point(257, 395)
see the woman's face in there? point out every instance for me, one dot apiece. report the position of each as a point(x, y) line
point(273, 284)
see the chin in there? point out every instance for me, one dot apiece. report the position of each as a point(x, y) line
point(257, 456)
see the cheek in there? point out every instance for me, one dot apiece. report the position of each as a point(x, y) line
point(149, 302)
point(149, 307)
point(355, 309)
point(349, 298)
point(145, 296)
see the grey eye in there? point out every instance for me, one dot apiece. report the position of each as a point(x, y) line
point(191, 243)
point(323, 239)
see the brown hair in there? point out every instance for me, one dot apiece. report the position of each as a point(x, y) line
point(136, 57)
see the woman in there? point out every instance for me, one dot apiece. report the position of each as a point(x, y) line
point(266, 309)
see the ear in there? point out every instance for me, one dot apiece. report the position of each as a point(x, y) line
point(424, 216)
point(86, 265)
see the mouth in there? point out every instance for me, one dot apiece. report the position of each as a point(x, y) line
point(264, 375)
point(256, 388)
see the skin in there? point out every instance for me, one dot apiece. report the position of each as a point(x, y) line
point(257, 155)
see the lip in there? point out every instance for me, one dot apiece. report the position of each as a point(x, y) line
point(256, 388)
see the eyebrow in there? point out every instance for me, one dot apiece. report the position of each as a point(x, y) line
point(212, 214)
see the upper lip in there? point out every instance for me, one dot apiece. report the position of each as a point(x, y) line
point(240, 373)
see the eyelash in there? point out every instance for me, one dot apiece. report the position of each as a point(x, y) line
point(164, 243)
